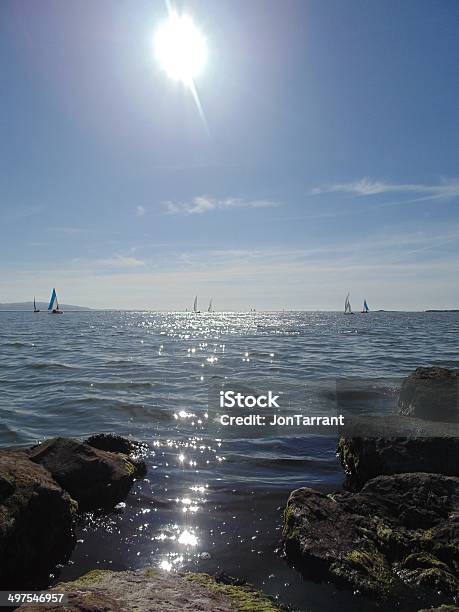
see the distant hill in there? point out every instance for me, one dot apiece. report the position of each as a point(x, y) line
point(41, 305)
point(447, 310)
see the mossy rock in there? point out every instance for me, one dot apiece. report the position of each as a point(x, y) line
point(244, 597)
point(152, 589)
point(396, 539)
point(366, 571)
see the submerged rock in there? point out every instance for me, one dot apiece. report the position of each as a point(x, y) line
point(432, 394)
point(94, 477)
point(397, 538)
point(365, 458)
point(36, 521)
point(152, 589)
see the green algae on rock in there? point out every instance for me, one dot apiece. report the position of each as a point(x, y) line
point(396, 539)
point(153, 589)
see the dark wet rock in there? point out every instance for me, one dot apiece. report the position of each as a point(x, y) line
point(365, 458)
point(397, 538)
point(94, 477)
point(118, 444)
point(7, 486)
point(432, 394)
point(443, 608)
point(114, 443)
point(36, 521)
point(151, 589)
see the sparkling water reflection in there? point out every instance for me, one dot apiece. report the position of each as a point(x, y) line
point(209, 502)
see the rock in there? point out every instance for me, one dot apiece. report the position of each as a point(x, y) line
point(365, 458)
point(397, 538)
point(114, 443)
point(151, 589)
point(205, 556)
point(36, 522)
point(442, 609)
point(432, 394)
point(118, 444)
point(94, 477)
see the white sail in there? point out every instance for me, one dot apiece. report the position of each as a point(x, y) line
point(195, 305)
point(347, 305)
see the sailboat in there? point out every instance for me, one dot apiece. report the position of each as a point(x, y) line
point(365, 308)
point(347, 306)
point(210, 306)
point(195, 305)
point(53, 307)
point(35, 309)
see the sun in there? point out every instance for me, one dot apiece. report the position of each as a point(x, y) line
point(180, 48)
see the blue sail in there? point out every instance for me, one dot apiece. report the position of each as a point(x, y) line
point(365, 306)
point(52, 300)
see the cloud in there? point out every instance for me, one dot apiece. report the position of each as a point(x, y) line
point(368, 187)
point(139, 211)
point(120, 261)
point(409, 270)
point(203, 204)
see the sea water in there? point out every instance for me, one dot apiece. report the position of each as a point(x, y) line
point(211, 501)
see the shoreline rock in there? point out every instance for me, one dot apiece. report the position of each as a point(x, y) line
point(36, 521)
point(398, 538)
point(393, 532)
point(429, 401)
point(431, 394)
point(42, 489)
point(153, 589)
point(365, 458)
point(94, 478)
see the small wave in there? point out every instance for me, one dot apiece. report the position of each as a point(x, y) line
point(279, 463)
point(52, 364)
point(121, 361)
point(118, 384)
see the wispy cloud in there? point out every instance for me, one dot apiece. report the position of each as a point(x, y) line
point(120, 261)
point(405, 270)
point(139, 211)
point(369, 187)
point(377, 250)
point(203, 204)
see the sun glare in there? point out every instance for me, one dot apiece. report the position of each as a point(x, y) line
point(180, 48)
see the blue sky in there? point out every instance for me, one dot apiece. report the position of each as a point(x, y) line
point(329, 162)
